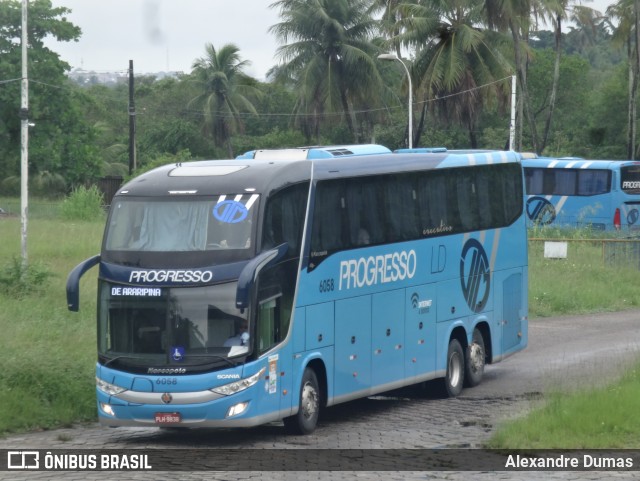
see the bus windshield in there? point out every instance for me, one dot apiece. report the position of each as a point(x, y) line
point(184, 224)
point(178, 327)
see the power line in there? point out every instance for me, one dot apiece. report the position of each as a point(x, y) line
point(10, 80)
point(248, 115)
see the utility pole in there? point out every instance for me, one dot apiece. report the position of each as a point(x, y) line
point(24, 137)
point(132, 123)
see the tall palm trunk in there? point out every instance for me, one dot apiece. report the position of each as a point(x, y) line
point(522, 78)
point(632, 126)
point(417, 134)
point(554, 85)
point(348, 115)
point(632, 89)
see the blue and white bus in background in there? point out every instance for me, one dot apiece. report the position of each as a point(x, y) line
point(239, 292)
point(573, 192)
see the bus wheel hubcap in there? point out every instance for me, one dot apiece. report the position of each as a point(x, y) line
point(476, 357)
point(309, 401)
point(454, 369)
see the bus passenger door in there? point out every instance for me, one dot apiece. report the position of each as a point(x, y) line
point(352, 345)
point(420, 335)
point(387, 329)
point(275, 286)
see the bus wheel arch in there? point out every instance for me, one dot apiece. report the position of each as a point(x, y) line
point(476, 356)
point(312, 397)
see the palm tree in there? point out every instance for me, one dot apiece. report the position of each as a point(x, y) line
point(327, 50)
point(626, 13)
point(557, 11)
point(515, 16)
point(390, 21)
point(455, 57)
point(225, 92)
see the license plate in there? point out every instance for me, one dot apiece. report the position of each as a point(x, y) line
point(167, 418)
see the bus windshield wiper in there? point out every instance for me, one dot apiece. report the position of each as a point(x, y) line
point(136, 358)
point(204, 356)
point(214, 356)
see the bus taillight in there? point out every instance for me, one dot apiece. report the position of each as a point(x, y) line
point(616, 219)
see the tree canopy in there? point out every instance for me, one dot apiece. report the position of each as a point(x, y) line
point(330, 88)
point(61, 144)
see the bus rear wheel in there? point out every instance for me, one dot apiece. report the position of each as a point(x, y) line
point(305, 421)
point(474, 363)
point(454, 378)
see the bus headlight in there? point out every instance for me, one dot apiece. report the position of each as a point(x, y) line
point(108, 388)
point(106, 408)
point(237, 409)
point(238, 386)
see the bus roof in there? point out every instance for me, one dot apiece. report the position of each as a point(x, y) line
point(211, 177)
point(576, 163)
point(315, 152)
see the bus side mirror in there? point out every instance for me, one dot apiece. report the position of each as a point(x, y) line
point(250, 273)
point(73, 282)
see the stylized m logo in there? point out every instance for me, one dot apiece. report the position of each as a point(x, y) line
point(475, 275)
point(230, 211)
point(540, 210)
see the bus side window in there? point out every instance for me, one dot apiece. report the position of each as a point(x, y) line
point(328, 217)
point(364, 212)
point(284, 218)
point(565, 182)
point(534, 179)
point(593, 182)
point(488, 199)
point(401, 201)
point(433, 200)
point(467, 202)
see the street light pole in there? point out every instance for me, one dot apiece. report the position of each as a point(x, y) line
point(392, 56)
point(24, 137)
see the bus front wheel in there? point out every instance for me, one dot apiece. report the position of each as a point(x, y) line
point(454, 378)
point(305, 421)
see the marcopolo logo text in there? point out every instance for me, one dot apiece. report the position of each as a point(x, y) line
point(178, 276)
point(372, 270)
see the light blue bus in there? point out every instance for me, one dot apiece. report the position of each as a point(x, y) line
point(239, 292)
point(574, 192)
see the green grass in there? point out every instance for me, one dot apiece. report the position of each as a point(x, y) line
point(582, 283)
point(38, 208)
point(48, 353)
point(602, 418)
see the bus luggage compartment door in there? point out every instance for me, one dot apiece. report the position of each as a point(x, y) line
point(353, 345)
point(387, 331)
point(420, 330)
point(511, 306)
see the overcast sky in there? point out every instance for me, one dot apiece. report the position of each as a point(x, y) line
point(166, 34)
point(170, 34)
